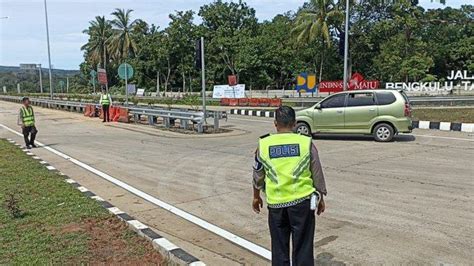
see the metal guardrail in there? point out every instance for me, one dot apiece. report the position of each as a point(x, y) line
point(168, 115)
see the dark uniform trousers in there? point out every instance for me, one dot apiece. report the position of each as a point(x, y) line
point(26, 135)
point(297, 221)
point(105, 111)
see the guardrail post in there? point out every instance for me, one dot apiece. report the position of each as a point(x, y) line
point(151, 120)
point(184, 123)
point(136, 117)
point(167, 122)
point(200, 127)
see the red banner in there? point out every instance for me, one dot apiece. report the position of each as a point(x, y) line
point(102, 76)
point(232, 79)
point(356, 82)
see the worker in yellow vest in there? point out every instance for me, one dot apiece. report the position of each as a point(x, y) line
point(105, 102)
point(288, 170)
point(26, 119)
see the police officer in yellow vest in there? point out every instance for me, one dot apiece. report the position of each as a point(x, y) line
point(105, 101)
point(26, 119)
point(288, 170)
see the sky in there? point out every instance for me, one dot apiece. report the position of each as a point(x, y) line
point(23, 33)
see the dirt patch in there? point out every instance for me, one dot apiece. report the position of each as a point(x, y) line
point(110, 241)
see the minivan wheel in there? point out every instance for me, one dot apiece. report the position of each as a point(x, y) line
point(303, 129)
point(383, 132)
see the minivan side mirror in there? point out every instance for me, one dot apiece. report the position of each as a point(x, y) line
point(318, 106)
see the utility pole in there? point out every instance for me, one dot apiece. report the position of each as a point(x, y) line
point(203, 80)
point(49, 51)
point(346, 46)
point(41, 78)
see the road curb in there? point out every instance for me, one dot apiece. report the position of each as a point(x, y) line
point(445, 126)
point(171, 253)
point(250, 112)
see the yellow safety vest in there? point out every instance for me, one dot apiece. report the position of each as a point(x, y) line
point(28, 116)
point(286, 158)
point(104, 99)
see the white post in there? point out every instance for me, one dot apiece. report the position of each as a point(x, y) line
point(18, 88)
point(4, 89)
point(203, 79)
point(346, 45)
point(49, 51)
point(67, 85)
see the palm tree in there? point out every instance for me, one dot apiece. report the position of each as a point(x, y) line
point(122, 42)
point(314, 23)
point(99, 32)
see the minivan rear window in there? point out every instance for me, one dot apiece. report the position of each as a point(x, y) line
point(385, 97)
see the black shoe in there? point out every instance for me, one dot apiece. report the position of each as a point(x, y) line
point(28, 147)
point(103, 121)
point(34, 146)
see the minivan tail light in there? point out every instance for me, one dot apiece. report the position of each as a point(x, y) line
point(407, 109)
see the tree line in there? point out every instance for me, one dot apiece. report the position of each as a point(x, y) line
point(396, 41)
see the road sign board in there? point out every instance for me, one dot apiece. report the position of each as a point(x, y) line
point(125, 71)
point(61, 83)
point(93, 73)
point(102, 75)
point(232, 80)
point(306, 83)
point(131, 88)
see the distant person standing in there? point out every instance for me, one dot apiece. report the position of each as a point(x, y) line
point(288, 170)
point(26, 119)
point(105, 101)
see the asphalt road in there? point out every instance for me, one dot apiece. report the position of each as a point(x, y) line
point(409, 201)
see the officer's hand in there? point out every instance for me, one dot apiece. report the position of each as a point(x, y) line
point(321, 206)
point(257, 204)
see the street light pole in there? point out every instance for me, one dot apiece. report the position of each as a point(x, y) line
point(49, 51)
point(346, 46)
point(41, 78)
point(203, 80)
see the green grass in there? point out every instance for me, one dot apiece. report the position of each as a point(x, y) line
point(461, 115)
point(48, 207)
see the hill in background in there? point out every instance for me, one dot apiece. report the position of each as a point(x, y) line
point(10, 76)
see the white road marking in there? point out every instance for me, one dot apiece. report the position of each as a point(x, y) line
point(441, 137)
point(250, 246)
